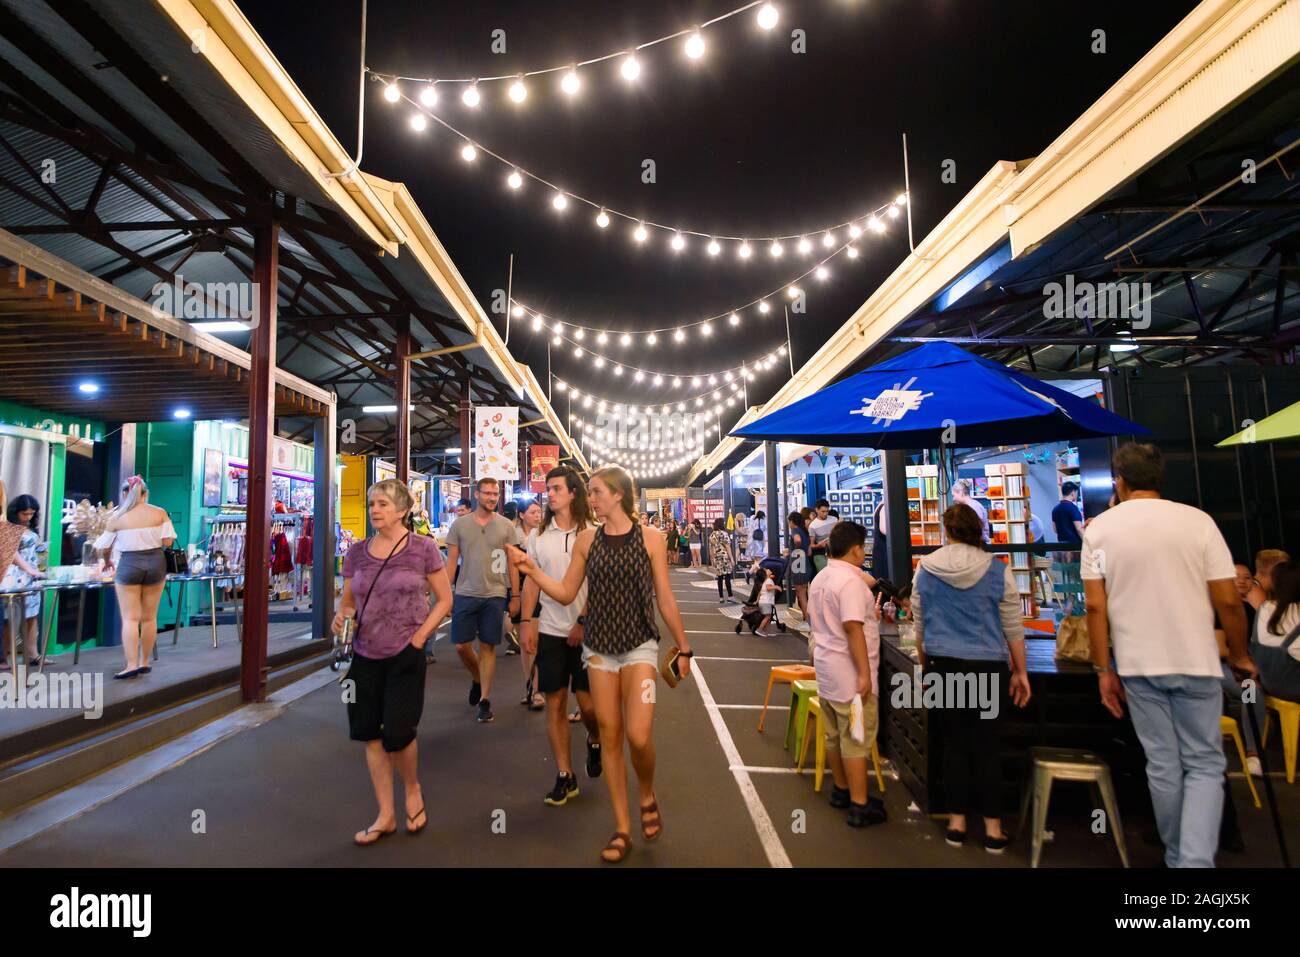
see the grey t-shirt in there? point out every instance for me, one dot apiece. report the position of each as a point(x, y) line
point(484, 564)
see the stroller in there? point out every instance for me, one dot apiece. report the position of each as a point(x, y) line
point(750, 614)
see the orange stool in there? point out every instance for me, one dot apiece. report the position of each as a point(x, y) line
point(785, 674)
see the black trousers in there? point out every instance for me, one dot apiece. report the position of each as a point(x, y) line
point(727, 579)
point(971, 745)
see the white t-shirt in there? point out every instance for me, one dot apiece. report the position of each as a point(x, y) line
point(552, 551)
point(1288, 622)
point(820, 528)
point(767, 595)
point(1156, 557)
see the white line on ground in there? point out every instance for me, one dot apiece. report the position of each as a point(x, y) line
point(775, 661)
point(750, 769)
point(767, 835)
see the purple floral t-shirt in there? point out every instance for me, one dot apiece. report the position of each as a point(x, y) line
point(401, 600)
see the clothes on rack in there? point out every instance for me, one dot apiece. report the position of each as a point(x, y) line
point(303, 554)
point(281, 553)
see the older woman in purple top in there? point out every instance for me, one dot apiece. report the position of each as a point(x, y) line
point(388, 579)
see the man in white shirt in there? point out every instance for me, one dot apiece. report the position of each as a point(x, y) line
point(819, 531)
point(554, 631)
point(1155, 573)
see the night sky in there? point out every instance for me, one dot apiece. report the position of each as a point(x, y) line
point(753, 139)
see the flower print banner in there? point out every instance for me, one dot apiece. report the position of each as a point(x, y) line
point(496, 442)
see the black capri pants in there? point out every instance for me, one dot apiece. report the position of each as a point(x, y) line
point(971, 746)
point(389, 698)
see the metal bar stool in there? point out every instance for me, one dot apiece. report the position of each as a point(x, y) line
point(1067, 764)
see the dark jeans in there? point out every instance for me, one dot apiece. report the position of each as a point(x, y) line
point(727, 579)
point(971, 758)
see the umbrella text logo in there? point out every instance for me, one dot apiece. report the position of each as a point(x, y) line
point(892, 404)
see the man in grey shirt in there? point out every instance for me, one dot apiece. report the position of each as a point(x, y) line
point(478, 540)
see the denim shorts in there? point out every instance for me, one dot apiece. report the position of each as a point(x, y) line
point(147, 567)
point(477, 618)
point(646, 653)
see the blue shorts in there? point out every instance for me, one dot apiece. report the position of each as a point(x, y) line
point(477, 618)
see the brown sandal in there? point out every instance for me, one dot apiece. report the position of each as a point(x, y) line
point(620, 844)
point(655, 821)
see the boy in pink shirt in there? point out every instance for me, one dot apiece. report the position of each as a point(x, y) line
point(842, 615)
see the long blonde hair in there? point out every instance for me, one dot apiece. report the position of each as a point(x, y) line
point(620, 480)
point(133, 490)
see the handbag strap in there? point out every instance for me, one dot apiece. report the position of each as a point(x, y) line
point(375, 580)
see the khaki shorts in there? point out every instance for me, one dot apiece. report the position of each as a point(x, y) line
point(835, 718)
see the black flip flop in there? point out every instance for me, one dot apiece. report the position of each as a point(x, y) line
point(411, 832)
point(373, 830)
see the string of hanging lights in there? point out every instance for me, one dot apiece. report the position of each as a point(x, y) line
point(571, 82)
point(679, 237)
point(675, 380)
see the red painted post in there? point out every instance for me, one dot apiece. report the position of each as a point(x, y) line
point(261, 419)
point(466, 438)
point(402, 370)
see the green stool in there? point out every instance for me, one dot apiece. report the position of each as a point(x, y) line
point(800, 692)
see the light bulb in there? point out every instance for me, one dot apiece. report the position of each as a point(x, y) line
point(775, 249)
point(518, 92)
point(625, 340)
point(728, 377)
point(853, 252)
point(733, 319)
point(560, 201)
point(828, 240)
point(470, 97)
point(823, 273)
point(659, 380)
point(429, 95)
point(679, 336)
point(570, 83)
point(744, 251)
point(695, 46)
point(699, 401)
point(558, 328)
point(639, 375)
point(556, 340)
point(418, 122)
point(763, 307)
point(893, 212)
point(855, 231)
point(603, 338)
point(677, 384)
point(713, 380)
point(515, 180)
point(630, 69)
point(602, 219)
point(900, 200)
point(537, 323)
point(468, 153)
point(651, 339)
point(793, 292)
point(618, 370)
point(600, 362)
point(695, 383)
point(706, 329)
point(877, 225)
point(714, 248)
point(560, 387)
point(391, 92)
point(679, 242)
point(767, 16)
point(640, 233)
point(579, 334)
point(577, 351)
point(780, 351)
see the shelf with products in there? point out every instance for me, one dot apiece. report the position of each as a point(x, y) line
point(1009, 515)
point(925, 504)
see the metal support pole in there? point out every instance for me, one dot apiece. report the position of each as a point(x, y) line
point(402, 369)
point(770, 465)
point(261, 419)
point(322, 542)
point(898, 538)
point(466, 436)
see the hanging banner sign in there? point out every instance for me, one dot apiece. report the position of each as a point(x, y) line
point(496, 449)
point(544, 458)
point(662, 494)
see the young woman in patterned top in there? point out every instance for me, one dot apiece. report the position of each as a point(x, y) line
point(625, 565)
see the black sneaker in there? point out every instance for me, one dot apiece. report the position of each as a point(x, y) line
point(512, 643)
point(996, 845)
point(839, 797)
point(865, 815)
point(593, 759)
point(475, 692)
point(954, 838)
point(485, 711)
point(566, 786)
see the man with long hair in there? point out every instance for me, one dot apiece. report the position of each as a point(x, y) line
point(554, 632)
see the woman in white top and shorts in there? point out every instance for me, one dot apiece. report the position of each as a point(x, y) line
point(133, 543)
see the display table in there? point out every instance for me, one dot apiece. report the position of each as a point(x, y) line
point(55, 587)
point(1064, 711)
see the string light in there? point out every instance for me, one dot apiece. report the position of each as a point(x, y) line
point(580, 351)
point(714, 241)
point(468, 153)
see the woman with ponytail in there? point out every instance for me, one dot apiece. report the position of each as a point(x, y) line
point(133, 546)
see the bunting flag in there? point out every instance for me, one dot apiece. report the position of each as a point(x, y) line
point(839, 458)
point(823, 455)
point(731, 522)
point(855, 459)
point(807, 460)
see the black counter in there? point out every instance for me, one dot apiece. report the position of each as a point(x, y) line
point(1064, 711)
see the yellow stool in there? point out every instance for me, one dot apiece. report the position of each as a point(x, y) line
point(1288, 713)
point(819, 767)
point(1228, 728)
point(785, 674)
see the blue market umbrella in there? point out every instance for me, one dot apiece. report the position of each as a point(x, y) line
point(910, 401)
